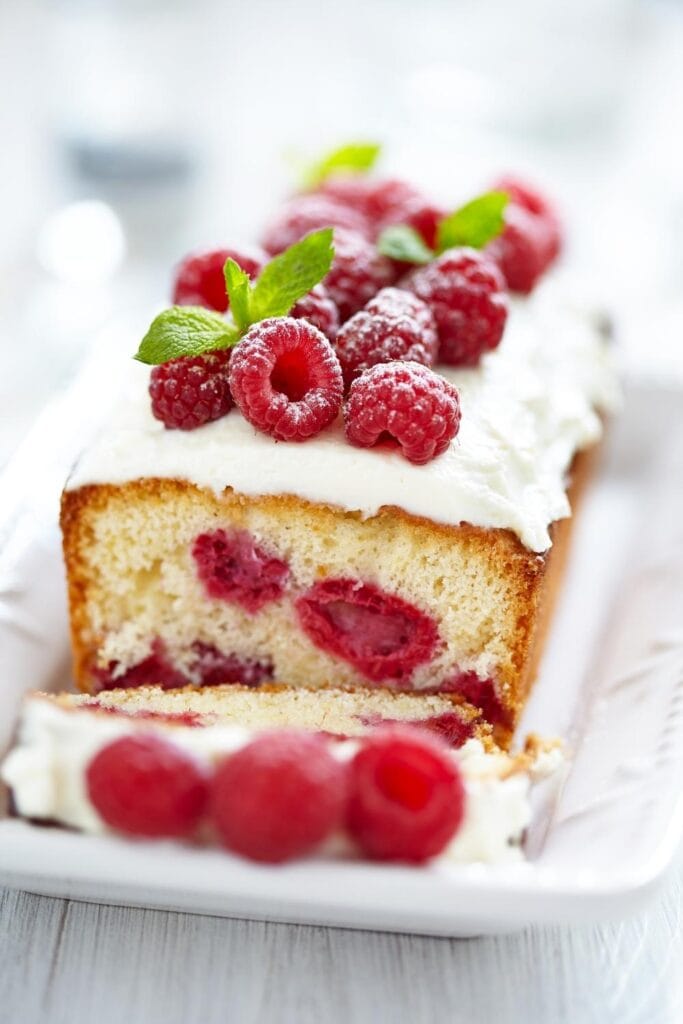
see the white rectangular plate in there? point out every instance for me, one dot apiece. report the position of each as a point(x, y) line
point(611, 684)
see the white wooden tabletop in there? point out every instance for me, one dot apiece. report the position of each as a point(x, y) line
point(78, 963)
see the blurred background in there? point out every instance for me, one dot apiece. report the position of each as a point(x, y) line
point(135, 130)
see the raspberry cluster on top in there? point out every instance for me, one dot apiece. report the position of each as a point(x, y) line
point(369, 287)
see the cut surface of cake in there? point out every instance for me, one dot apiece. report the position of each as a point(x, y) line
point(220, 555)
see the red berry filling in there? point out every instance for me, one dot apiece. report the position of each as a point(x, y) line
point(190, 391)
point(279, 796)
point(234, 568)
point(146, 786)
point(155, 670)
point(381, 635)
point(189, 718)
point(407, 799)
point(449, 726)
point(310, 213)
point(481, 693)
point(357, 273)
point(199, 278)
point(214, 668)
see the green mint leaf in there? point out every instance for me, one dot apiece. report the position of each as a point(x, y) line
point(353, 158)
point(291, 275)
point(401, 242)
point(237, 286)
point(185, 331)
point(475, 224)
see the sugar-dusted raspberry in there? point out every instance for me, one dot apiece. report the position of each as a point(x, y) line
point(404, 403)
point(481, 693)
point(358, 272)
point(318, 308)
point(407, 798)
point(529, 198)
point(279, 796)
point(147, 786)
point(286, 379)
point(213, 667)
point(199, 279)
point(421, 215)
point(380, 634)
point(379, 200)
point(466, 293)
point(309, 213)
point(395, 325)
point(157, 669)
point(233, 567)
point(522, 249)
point(190, 391)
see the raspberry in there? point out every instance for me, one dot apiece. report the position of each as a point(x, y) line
point(393, 325)
point(381, 635)
point(529, 198)
point(421, 215)
point(378, 200)
point(481, 693)
point(466, 293)
point(406, 799)
point(318, 308)
point(199, 279)
point(155, 670)
point(357, 273)
point(214, 668)
point(406, 403)
point(146, 786)
point(309, 213)
point(279, 796)
point(192, 390)
point(449, 726)
point(521, 250)
point(234, 568)
point(286, 379)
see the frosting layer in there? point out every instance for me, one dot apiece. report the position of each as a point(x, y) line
point(526, 410)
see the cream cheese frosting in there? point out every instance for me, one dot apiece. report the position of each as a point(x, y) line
point(526, 410)
point(46, 771)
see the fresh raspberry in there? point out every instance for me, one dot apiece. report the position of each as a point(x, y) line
point(522, 249)
point(381, 635)
point(421, 215)
point(234, 568)
point(146, 786)
point(466, 293)
point(156, 669)
point(318, 308)
point(279, 796)
point(286, 379)
point(529, 198)
point(481, 693)
point(394, 325)
point(378, 199)
point(357, 273)
point(192, 390)
point(307, 213)
point(199, 279)
point(406, 799)
point(214, 668)
point(405, 403)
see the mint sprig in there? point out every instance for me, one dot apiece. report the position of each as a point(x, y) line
point(475, 225)
point(192, 330)
point(352, 158)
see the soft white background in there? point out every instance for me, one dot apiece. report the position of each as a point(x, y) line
point(203, 107)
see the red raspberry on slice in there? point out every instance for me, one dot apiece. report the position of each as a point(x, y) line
point(407, 798)
point(279, 796)
point(482, 693)
point(404, 402)
point(234, 568)
point(146, 786)
point(380, 634)
point(377, 199)
point(466, 293)
point(529, 198)
point(286, 379)
point(190, 391)
point(522, 249)
point(395, 325)
point(307, 213)
point(199, 279)
point(318, 308)
point(157, 669)
point(358, 272)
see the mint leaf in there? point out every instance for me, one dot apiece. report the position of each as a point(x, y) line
point(475, 224)
point(237, 286)
point(291, 275)
point(185, 331)
point(401, 242)
point(353, 158)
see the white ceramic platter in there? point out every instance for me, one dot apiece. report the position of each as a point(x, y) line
point(611, 684)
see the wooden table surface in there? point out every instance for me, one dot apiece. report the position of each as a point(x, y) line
point(78, 963)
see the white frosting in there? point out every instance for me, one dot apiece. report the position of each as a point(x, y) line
point(526, 410)
point(46, 772)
